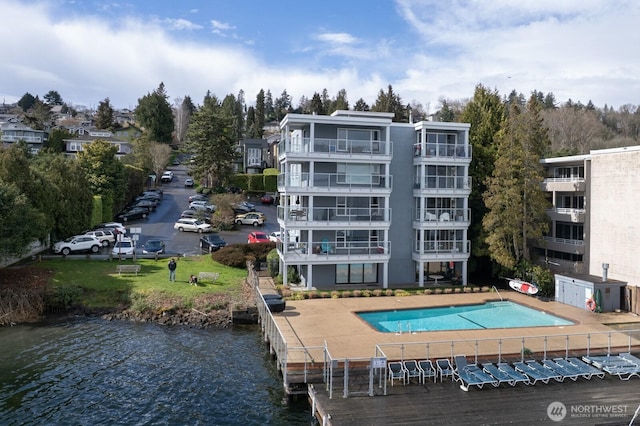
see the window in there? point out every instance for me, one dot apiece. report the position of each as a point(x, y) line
point(569, 231)
point(254, 156)
point(358, 139)
point(351, 173)
point(356, 273)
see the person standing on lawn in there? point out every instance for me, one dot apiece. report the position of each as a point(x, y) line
point(172, 269)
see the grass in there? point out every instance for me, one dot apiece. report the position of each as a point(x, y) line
point(102, 288)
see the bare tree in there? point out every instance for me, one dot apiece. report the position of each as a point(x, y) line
point(572, 130)
point(160, 154)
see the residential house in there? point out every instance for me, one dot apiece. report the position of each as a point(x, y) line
point(365, 201)
point(13, 131)
point(85, 136)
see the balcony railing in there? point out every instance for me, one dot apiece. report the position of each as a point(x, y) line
point(444, 183)
point(336, 248)
point(563, 241)
point(447, 247)
point(434, 150)
point(333, 181)
point(443, 215)
point(334, 214)
point(336, 146)
point(28, 139)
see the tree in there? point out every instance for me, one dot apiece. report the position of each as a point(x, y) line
point(391, 102)
point(15, 212)
point(269, 110)
point(486, 113)
point(159, 154)
point(257, 128)
point(182, 113)
point(341, 102)
point(446, 113)
point(210, 138)
point(53, 98)
point(573, 131)
point(55, 142)
point(516, 203)
point(38, 117)
point(26, 102)
point(105, 174)
point(282, 105)
point(155, 116)
point(316, 105)
point(361, 105)
point(104, 115)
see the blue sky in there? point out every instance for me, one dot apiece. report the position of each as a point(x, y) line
point(89, 50)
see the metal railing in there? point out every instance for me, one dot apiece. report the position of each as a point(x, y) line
point(444, 247)
point(334, 214)
point(443, 215)
point(336, 146)
point(563, 241)
point(444, 150)
point(444, 183)
point(326, 247)
point(332, 181)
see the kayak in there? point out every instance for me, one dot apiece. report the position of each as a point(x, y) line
point(523, 286)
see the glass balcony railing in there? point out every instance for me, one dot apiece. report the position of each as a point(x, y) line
point(443, 215)
point(337, 181)
point(444, 150)
point(335, 248)
point(335, 146)
point(447, 247)
point(444, 183)
point(334, 214)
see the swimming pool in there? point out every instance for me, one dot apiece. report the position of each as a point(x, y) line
point(484, 316)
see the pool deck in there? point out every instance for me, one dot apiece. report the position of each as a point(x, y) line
point(312, 322)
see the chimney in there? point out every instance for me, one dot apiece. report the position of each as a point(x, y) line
point(605, 269)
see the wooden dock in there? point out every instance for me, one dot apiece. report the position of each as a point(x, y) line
point(608, 401)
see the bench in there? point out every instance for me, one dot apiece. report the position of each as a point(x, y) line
point(209, 276)
point(128, 269)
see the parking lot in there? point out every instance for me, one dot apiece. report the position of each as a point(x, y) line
point(159, 223)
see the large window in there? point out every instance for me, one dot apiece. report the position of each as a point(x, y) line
point(352, 173)
point(356, 273)
point(570, 231)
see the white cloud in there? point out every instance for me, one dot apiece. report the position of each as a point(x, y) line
point(179, 24)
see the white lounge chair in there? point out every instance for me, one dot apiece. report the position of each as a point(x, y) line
point(428, 370)
point(411, 370)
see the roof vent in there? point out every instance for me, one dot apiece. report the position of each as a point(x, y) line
point(605, 269)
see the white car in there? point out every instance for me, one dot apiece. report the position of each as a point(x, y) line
point(192, 225)
point(78, 243)
point(123, 247)
point(202, 205)
point(113, 225)
point(167, 176)
point(275, 237)
point(106, 236)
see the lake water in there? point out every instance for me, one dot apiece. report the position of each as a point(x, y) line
point(89, 371)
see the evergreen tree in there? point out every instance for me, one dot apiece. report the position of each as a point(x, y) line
point(316, 105)
point(391, 102)
point(26, 102)
point(39, 116)
point(516, 203)
point(155, 115)
point(55, 142)
point(341, 102)
point(53, 98)
point(211, 138)
point(257, 128)
point(269, 110)
point(104, 115)
point(361, 105)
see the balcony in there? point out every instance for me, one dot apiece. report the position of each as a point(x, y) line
point(442, 250)
point(331, 252)
point(324, 148)
point(334, 216)
point(334, 182)
point(434, 151)
point(458, 185)
point(442, 217)
point(563, 245)
point(567, 214)
point(570, 184)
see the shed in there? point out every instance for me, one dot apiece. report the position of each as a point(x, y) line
point(577, 290)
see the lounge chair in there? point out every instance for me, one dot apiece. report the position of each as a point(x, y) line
point(397, 372)
point(518, 376)
point(579, 372)
point(622, 365)
point(498, 374)
point(630, 357)
point(565, 372)
point(411, 370)
point(428, 370)
point(444, 367)
point(551, 373)
point(471, 375)
point(586, 367)
point(534, 374)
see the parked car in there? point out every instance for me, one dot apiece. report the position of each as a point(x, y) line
point(253, 218)
point(257, 237)
point(106, 236)
point(78, 243)
point(234, 190)
point(133, 214)
point(195, 197)
point(192, 225)
point(155, 191)
point(268, 199)
point(148, 203)
point(275, 237)
point(150, 195)
point(117, 226)
point(123, 247)
point(188, 183)
point(167, 176)
point(153, 246)
point(212, 242)
point(202, 205)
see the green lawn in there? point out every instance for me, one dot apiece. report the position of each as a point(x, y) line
point(96, 284)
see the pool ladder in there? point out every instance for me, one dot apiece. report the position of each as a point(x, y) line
point(494, 287)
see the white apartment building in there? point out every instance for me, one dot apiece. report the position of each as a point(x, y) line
point(594, 219)
point(366, 202)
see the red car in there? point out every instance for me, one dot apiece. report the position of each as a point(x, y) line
point(267, 199)
point(258, 237)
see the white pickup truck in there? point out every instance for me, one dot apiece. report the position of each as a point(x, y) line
point(167, 176)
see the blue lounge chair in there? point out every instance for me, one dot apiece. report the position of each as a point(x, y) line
point(411, 370)
point(428, 370)
point(565, 372)
point(516, 375)
point(565, 364)
point(552, 374)
point(535, 376)
point(397, 372)
point(499, 375)
point(586, 368)
point(444, 367)
point(471, 375)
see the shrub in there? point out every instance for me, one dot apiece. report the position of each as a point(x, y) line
point(467, 289)
point(476, 289)
point(437, 291)
point(377, 292)
point(232, 255)
point(485, 289)
point(273, 263)
point(312, 295)
point(346, 294)
point(285, 292)
point(402, 293)
point(448, 291)
point(366, 293)
point(388, 292)
point(357, 293)
point(335, 294)
point(428, 291)
point(325, 295)
point(457, 290)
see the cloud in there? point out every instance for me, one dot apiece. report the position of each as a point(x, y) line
point(179, 24)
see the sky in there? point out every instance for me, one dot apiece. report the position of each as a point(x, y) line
point(427, 50)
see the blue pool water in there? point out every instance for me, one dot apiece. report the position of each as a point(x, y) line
point(466, 317)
